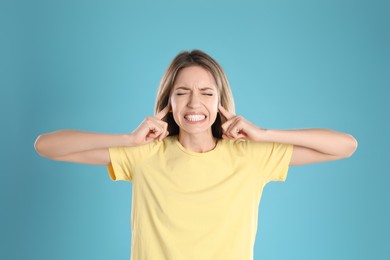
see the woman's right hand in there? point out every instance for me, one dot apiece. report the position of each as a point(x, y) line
point(92, 148)
point(152, 128)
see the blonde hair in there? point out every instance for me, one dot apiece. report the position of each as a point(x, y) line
point(194, 58)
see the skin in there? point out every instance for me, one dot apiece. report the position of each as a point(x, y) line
point(309, 145)
point(195, 91)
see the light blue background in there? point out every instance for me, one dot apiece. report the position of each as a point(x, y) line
point(95, 66)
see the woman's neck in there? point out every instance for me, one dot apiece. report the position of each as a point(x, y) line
point(199, 143)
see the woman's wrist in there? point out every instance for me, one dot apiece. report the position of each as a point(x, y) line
point(128, 140)
point(262, 135)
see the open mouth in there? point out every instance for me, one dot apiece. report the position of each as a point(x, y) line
point(195, 117)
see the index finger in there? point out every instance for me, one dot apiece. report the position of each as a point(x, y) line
point(160, 115)
point(224, 112)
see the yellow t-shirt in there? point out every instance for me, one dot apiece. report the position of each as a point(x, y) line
point(197, 206)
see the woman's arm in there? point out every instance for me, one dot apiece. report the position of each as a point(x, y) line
point(313, 145)
point(310, 145)
point(92, 148)
point(65, 142)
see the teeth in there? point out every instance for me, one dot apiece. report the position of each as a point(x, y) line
point(195, 117)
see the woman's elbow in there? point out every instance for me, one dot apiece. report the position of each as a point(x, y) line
point(352, 146)
point(39, 146)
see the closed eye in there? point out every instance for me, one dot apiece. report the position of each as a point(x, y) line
point(205, 94)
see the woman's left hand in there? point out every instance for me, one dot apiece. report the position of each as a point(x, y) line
point(237, 127)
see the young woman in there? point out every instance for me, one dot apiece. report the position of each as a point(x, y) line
point(198, 170)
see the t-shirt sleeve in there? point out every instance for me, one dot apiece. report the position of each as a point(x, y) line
point(273, 159)
point(124, 160)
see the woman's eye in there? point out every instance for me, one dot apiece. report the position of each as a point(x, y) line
point(180, 94)
point(208, 94)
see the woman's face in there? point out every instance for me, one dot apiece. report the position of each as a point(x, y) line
point(194, 100)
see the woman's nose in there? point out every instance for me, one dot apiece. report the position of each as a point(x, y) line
point(194, 100)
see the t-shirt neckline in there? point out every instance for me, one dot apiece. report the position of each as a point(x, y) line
point(181, 147)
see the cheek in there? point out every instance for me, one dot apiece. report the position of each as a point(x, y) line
point(174, 104)
point(213, 110)
point(214, 105)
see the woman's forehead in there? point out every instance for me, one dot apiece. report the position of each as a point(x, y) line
point(195, 76)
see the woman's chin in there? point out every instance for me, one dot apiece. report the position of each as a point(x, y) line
point(201, 131)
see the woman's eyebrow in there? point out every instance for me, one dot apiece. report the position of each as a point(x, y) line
point(182, 88)
point(185, 88)
point(207, 88)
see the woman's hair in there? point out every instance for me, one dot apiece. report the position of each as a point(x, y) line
point(194, 58)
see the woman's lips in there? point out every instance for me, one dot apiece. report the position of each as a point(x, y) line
point(195, 117)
